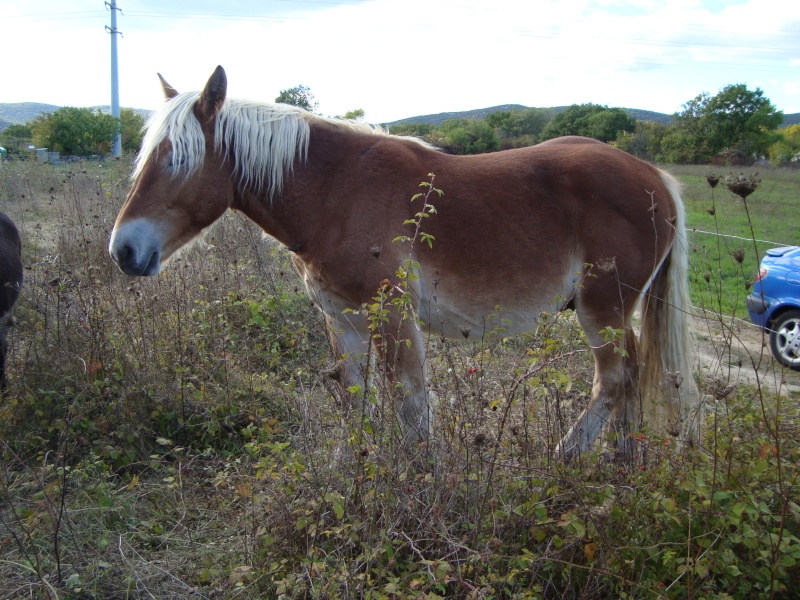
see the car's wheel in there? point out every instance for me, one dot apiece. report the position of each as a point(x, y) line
point(784, 339)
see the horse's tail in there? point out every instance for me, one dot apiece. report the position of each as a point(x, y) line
point(670, 397)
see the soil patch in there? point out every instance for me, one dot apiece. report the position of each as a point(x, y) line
point(734, 351)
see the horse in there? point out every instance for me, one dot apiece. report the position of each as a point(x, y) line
point(571, 223)
point(10, 282)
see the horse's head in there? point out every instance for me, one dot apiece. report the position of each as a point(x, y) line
point(182, 182)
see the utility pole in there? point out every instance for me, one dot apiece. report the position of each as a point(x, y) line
point(116, 149)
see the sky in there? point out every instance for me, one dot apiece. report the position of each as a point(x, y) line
point(402, 58)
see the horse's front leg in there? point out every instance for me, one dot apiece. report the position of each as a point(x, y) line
point(350, 343)
point(349, 337)
point(401, 350)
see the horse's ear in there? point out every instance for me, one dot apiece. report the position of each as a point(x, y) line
point(169, 91)
point(213, 96)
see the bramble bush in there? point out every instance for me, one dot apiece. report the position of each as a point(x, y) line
point(175, 436)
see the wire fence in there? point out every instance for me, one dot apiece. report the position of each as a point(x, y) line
point(736, 237)
point(699, 310)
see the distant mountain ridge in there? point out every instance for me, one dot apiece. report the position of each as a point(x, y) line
point(482, 113)
point(439, 118)
point(22, 112)
point(791, 119)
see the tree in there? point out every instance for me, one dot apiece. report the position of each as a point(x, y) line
point(298, 96)
point(736, 120)
point(353, 115)
point(16, 137)
point(131, 126)
point(590, 120)
point(680, 146)
point(687, 140)
point(644, 142)
point(786, 151)
point(742, 119)
point(414, 129)
point(518, 128)
point(75, 131)
point(466, 136)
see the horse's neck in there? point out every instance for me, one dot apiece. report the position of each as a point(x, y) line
point(271, 214)
point(291, 214)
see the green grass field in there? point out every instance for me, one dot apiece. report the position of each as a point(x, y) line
point(719, 281)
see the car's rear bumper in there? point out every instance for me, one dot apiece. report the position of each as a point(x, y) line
point(756, 303)
point(758, 307)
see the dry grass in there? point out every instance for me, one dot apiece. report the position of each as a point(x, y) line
point(174, 437)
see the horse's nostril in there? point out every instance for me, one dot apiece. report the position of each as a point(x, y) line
point(122, 255)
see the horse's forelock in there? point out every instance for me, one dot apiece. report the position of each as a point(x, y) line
point(263, 140)
point(175, 121)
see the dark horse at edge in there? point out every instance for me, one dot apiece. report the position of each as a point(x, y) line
point(10, 282)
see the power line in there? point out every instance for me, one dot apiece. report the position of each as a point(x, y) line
point(788, 34)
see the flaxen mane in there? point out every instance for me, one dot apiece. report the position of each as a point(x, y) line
point(263, 139)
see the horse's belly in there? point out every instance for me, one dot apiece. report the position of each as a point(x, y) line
point(495, 304)
point(463, 318)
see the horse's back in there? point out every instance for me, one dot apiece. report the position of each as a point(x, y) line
point(564, 195)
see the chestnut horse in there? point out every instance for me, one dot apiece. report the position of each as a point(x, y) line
point(570, 223)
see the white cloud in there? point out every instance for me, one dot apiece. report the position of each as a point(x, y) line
point(399, 59)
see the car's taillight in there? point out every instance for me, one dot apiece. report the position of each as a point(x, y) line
point(762, 272)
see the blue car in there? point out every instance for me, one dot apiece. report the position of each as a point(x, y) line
point(775, 303)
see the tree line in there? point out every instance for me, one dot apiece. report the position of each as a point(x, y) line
point(734, 126)
point(75, 131)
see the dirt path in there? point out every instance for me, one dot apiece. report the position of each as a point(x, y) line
point(737, 352)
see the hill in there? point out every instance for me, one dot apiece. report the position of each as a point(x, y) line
point(792, 119)
point(22, 112)
point(439, 118)
point(481, 113)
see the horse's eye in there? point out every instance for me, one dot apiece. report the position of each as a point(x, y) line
point(173, 162)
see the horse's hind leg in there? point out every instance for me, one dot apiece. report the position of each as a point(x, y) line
point(614, 393)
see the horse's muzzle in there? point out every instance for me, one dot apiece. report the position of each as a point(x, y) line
point(136, 248)
point(130, 264)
